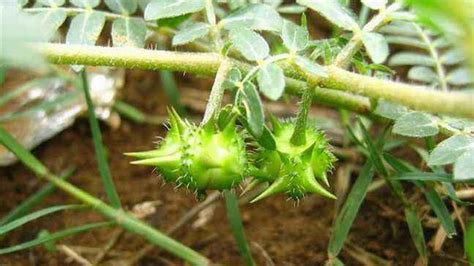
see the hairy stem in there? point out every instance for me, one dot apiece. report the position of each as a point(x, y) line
point(299, 135)
point(355, 43)
point(415, 97)
point(217, 91)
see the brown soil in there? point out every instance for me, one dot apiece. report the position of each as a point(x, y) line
point(291, 235)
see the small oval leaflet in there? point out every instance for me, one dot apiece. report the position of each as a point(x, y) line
point(416, 124)
point(250, 44)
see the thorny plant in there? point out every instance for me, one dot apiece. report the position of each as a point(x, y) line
point(258, 47)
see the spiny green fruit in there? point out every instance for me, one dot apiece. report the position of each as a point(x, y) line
point(198, 157)
point(291, 169)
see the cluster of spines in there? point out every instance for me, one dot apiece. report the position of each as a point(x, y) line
point(181, 156)
point(294, 171)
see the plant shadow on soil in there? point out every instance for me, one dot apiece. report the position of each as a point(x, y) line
point(291, 235)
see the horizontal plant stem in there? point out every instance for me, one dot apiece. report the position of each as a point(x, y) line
point(457, 104)
point(416, 97)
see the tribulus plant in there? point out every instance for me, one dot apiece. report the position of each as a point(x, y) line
point(198, 157)
point(256, 49)
point(294, 169)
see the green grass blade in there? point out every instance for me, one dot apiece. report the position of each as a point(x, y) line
point(432, 196)
point(349, 211)
point(469, 241)
point(237, 227)
point(34, 200)
point(424, 176)
point(54, 236)
point(124, 219)
point(374, 153)
point(99, 147)
point(33, 216)
point(416, 232)
point(21, 153)
point(132, 113)
point(171, 90)
point(440, 209)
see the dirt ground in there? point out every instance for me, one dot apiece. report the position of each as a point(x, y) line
point(289, 234)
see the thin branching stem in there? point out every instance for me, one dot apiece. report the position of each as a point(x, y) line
point(435, 55)
point(299, 135)
point(355, 43)
point(419, 98)
point(217, 91)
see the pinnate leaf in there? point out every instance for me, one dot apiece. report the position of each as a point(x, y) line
point(250, 44)
point(271, 81)
point(158, 9)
